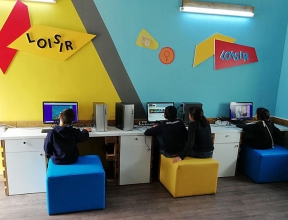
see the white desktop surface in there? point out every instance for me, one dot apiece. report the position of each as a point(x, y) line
point(20, 133)
point(232, 128)
point(281, 127)
point(225, 129)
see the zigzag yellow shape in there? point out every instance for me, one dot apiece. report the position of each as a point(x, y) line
point(205, 49)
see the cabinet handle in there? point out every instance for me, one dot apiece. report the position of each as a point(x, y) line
point(24, 142)
point(236, 145)
point(41, 154)
point(227, 136)
point(136, 139)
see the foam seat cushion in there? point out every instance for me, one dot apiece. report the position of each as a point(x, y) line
point(191, 176)
point(75, 187)
point(262, 166)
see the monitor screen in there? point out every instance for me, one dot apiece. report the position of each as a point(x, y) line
point(155, 110)
point(186, 108)
point(52, 110)
point(241, 110)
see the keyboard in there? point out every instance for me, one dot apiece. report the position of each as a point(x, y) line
point(46, 130)
point(240, 125)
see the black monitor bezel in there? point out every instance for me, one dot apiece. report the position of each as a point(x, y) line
point(59, 102)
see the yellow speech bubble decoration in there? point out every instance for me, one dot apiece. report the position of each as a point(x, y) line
point(51, 42)
point(146, 40)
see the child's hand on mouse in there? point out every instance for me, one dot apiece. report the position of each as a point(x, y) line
point(88, 129)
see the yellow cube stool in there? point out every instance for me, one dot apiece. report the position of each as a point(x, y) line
point(189, 177)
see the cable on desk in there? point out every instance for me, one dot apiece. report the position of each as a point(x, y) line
point(149, 148)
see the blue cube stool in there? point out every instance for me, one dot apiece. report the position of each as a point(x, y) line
point(264, 166)
point(75, 187)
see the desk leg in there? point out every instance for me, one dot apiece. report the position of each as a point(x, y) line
point(4, 168)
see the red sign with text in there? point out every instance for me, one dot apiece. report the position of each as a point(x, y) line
point(230, 54)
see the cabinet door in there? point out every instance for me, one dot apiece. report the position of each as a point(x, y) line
point(135, 157)
point(26, 172)
point(25, 166)
point(226, 154)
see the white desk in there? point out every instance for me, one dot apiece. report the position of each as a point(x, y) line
point(281, 127)
point(226, 147)
point(20, 133)
point(25, 162)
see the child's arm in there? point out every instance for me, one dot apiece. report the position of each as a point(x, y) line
point(48, 146)
point(82, 135)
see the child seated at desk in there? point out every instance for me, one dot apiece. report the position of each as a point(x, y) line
point(263, 134)
point(61, 142)
point(199, 144)
point(171, 134)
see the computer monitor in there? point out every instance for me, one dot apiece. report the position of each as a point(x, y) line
point(241, 111)
point(156, 110)
point(186, 108)
point(52, 110)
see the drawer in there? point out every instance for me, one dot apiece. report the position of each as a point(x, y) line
point(135, 141)
point(226, 138)
point(27, 145)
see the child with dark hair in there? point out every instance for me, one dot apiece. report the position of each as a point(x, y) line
point(61, 142)
point(171, 134)
point(199, 144)
point(263, 134)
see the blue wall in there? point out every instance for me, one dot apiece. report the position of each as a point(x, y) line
point(282, 100)
point(179, 81)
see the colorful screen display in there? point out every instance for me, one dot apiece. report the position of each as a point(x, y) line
point(156, 110)
point(241, 110)
point(52, 110)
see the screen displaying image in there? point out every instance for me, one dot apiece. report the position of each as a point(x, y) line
point(241, 110)
point(156, 110)
point(52, 110)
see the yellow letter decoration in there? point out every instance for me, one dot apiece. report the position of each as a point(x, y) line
point(51, 42)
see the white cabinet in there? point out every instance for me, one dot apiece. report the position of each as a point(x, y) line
point(25, 166)
point(135, 158)
point(226, 151)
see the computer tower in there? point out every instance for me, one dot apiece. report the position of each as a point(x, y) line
point(100, 116)
point(186, 108)
point(124, 116)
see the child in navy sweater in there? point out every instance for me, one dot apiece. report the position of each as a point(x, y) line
point(61, 142)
